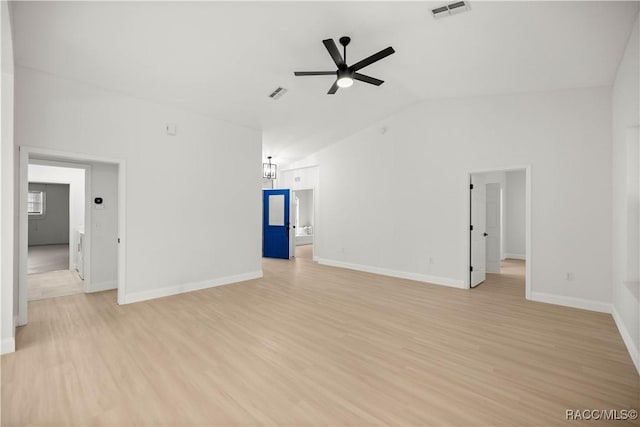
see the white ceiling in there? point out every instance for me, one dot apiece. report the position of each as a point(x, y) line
point(222, 59)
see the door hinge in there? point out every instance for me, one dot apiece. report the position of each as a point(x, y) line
point(471, 227)
point(471, 187)
point(470, 268)
point(118, 240)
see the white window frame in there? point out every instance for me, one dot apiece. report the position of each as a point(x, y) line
point(42, 204)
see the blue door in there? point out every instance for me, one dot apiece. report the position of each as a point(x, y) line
point(275, 224)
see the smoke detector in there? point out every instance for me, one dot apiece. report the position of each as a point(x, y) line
point(450, 9)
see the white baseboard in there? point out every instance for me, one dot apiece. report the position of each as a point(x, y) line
point(315, 258)
point(574, 302)
point(515, 256)
point(102, 286)
point(8, 346)
point(626, 337)
point(445, 281)
point(20, 320)
point(189, 287)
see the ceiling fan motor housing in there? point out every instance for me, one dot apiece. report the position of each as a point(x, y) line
point(346, 72)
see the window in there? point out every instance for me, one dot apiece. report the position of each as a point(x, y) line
point(35, 202)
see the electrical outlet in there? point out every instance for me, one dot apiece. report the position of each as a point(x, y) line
point(569, 276)
point(431, 261)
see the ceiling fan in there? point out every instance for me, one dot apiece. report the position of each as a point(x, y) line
point(345, 75)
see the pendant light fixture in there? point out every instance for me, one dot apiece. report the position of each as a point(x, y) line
point(269, 169)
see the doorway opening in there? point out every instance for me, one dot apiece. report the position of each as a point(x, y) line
point(303, 222)
point(499, 230)
point(94, 250)
point(56, 205)
point(287, 223)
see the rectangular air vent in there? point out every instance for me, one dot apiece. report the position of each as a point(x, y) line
point(450, 9)
point(277, 94)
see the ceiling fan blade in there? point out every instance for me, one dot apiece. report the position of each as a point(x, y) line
point(334, 88)
point(373, 58)
point(333, 51)
point(367, 79)
point(314, 73)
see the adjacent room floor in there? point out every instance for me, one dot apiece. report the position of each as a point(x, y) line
point(44, 258)
point(54, 284)
point(48, 273)
point(315, 345)
point(510, 280)
point(304, 251)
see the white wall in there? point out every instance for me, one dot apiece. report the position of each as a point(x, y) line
point(414, 222)
point(626, 113)
point(266, 184)
point(104, 225)
point(181, 234)
point(7, 281)
point(298, 178)
point(515, 214)
point(51, 228)
point(76, 179)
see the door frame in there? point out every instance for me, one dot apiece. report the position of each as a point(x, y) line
point(467, 204)
point(79, 159)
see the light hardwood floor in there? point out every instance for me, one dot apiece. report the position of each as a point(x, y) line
point(54, 284)
point(314, 345)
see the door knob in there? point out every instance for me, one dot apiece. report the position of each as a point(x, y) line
point(485, 234)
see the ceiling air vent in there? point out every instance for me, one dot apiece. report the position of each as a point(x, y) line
point(450, 9)
point(277, 94)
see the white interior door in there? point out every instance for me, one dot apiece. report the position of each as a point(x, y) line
point(492, 240)
point(478, 223)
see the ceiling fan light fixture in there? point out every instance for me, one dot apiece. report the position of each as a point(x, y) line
point(347, 74)
point(345, 81)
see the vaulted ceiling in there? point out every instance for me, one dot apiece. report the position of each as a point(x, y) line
point(222, 59)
